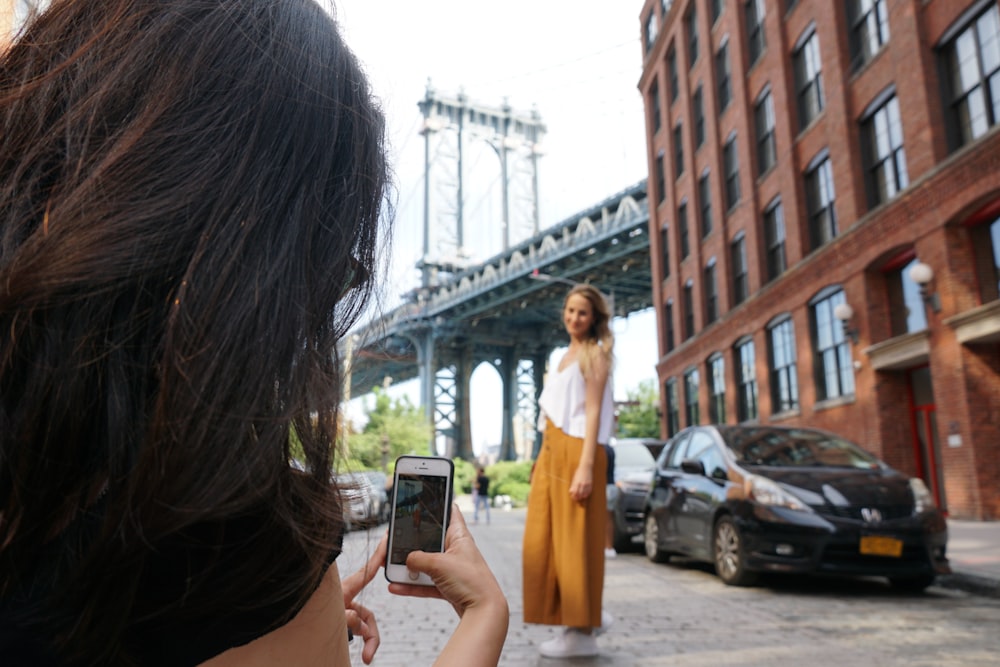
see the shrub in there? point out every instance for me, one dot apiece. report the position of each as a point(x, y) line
point(510, 478)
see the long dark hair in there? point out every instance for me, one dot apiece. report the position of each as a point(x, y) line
point(190, 203)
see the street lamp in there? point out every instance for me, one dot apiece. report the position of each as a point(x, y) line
point(844, 313)
point(922, 274)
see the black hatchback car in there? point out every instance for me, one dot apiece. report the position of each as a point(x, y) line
point(753, 499)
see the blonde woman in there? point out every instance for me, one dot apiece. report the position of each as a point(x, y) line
point(564, 533)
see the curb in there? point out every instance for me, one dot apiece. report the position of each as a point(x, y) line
point(970, 583)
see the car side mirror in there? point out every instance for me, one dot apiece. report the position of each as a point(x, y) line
point(693, 467)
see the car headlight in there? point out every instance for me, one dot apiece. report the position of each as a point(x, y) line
point(764, 491)
point(632, 486)
point(922, 498)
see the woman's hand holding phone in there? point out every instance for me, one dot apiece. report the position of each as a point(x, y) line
point(460, 574)
point(462, 577)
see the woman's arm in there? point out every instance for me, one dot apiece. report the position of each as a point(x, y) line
point(594, 382)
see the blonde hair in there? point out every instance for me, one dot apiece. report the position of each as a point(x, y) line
point(600, 340)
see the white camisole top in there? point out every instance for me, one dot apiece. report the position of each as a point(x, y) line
point(563, 400)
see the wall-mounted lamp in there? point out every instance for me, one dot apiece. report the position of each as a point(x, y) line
point(922, 274)
point(844, 313)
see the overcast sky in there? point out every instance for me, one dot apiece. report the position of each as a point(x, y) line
point(576, 62)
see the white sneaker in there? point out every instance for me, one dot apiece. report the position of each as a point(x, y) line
point(570, 644)
point(607, 620)
point(610, 553)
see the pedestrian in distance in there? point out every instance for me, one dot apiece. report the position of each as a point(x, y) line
point(481, 495)
point(192, 197)
point(563, 556)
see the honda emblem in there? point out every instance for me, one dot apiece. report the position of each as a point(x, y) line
point(871, 515)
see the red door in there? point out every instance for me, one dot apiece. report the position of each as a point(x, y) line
point(926, 445)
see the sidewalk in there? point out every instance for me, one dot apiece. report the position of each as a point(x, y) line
point(973, 550)
point(974, 553)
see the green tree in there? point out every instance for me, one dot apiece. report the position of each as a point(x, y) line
point(396, 423)
point(640, 417)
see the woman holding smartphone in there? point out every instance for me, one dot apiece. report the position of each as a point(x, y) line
point(191, 204)
point(563, 558)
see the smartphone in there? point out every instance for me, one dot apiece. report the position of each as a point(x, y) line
point(421, 507)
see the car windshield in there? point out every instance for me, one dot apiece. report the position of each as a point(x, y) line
point(796, 448)
point(633, 455)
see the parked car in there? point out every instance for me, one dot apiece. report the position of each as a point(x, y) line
point(381, 486)
point(753, 499)
point(634, 464)
point(365, 501)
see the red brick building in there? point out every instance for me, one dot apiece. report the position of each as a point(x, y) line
point(804, 157)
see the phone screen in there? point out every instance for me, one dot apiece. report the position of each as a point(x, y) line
point(419, 519)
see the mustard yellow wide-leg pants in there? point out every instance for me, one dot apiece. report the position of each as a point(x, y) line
point(563, 556)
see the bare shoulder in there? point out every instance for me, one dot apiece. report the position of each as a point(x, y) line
point(316, 637)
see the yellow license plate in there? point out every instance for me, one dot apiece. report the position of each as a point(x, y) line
point(873, 545)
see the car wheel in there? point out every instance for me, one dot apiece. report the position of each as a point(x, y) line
point(912, 584)
point(727, 548)
point(651, 539)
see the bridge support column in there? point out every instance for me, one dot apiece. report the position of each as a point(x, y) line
point(508, 375)
point(463, 430)
point(425, 361)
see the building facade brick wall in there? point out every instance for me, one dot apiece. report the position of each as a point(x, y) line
point(930, 219)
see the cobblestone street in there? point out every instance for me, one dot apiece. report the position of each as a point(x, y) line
point(682, 615)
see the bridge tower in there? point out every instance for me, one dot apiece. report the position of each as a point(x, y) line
point(450, 124)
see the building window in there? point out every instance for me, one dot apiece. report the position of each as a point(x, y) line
point(784, 382)
point(665, 6)
point(678, 150)
point(691, 20)
point(746, 380)
point(717, 7)
point(767, 152)
point(972, 62)
point(673, 407)
point(705, 199)
point(652, 28)
point(668, 320)
point(717, 389)
point(661, 178)
point(832, 361)
point(665, 250)
point(869, 29)
point(738, 262)
point(986, 247)
point(755, 29)
point(682, 229)
point(774, 238)
point(711, 291)
point(654, 106)
point(732, 166)
point(884, 156)
point(688, 309)
point(672, 72)
point(820, 197)
point(691, 382)
point(724, 77)
point(906, 308)
point(808, 80)
point(698, 104)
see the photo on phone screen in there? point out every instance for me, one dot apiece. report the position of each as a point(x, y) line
point(421, 500)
